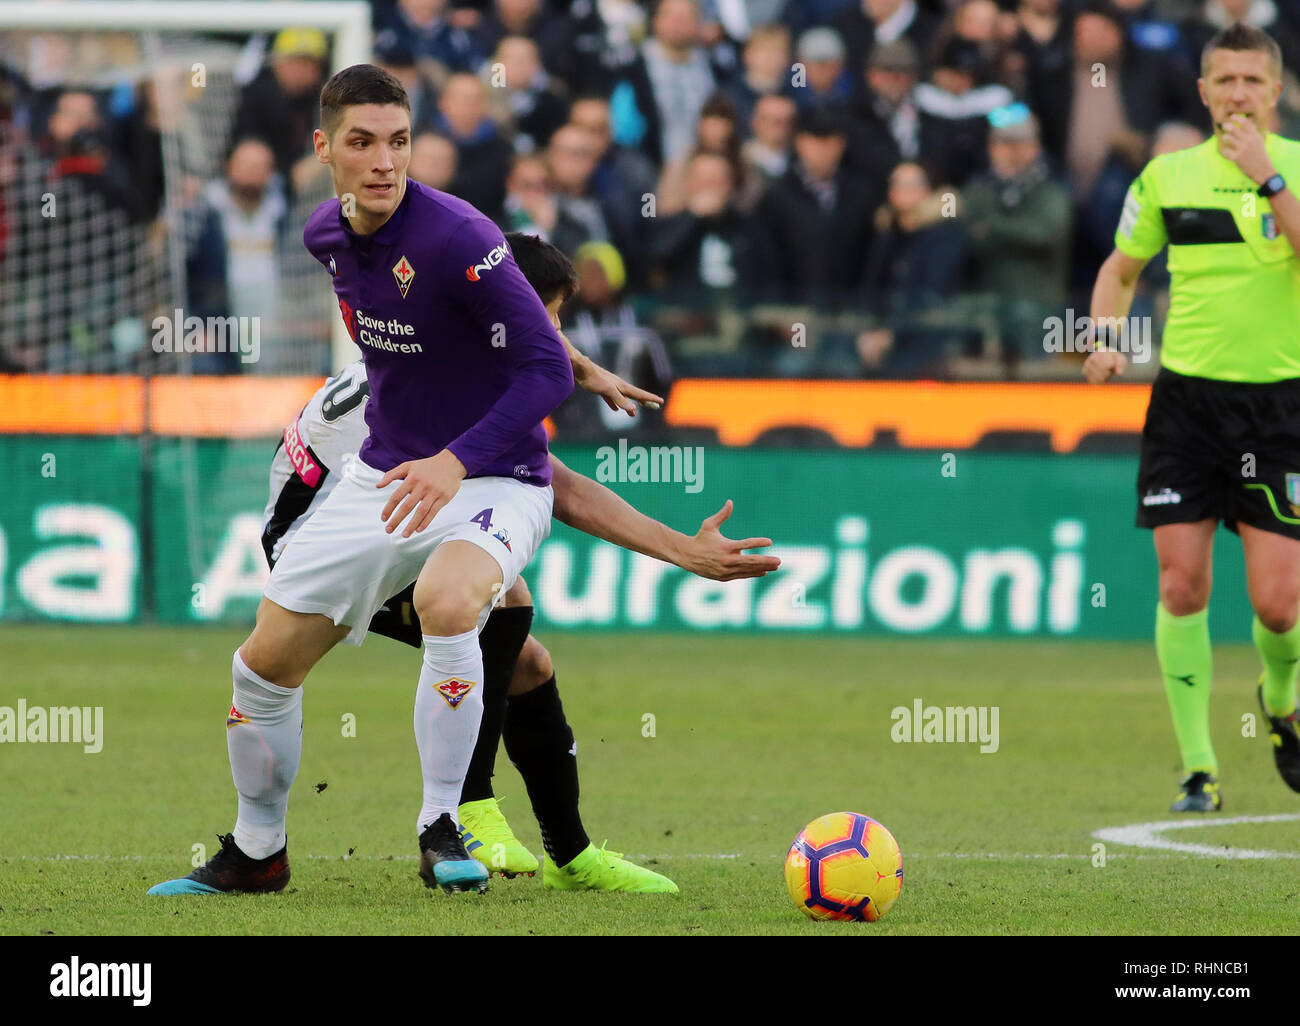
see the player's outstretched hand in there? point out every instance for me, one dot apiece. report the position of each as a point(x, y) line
point(427, 486)
point(617, 393)
point(713, 555)
point(1101, 365)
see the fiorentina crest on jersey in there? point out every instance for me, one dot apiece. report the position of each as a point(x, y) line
point(405, 274)
point(454, 690)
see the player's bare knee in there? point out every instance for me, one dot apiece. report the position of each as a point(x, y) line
point(447, 608)
point(1183, 593)
point(1278, 614)
point(278, 667)
point(533, 668)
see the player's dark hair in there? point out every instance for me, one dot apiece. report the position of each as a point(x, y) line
point(361, 83)
point(1239, 36)
point(548, 270)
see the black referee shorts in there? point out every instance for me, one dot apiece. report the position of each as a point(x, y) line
point(1223, 450)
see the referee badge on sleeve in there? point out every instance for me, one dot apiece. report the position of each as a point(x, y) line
point(1269, 225)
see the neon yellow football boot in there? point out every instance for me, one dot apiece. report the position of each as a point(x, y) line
point(489, 839)
point(597, 869)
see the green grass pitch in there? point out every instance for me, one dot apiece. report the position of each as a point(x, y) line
point(752, 738)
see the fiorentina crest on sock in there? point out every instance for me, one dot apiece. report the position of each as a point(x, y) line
point(454, 690)
point(234, 717)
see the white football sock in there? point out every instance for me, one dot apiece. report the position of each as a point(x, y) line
point(264, 739)
point(448, 709)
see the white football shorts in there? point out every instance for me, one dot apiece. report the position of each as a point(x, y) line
point(343, 563)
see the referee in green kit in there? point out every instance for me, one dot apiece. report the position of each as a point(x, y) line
point(1222, 433)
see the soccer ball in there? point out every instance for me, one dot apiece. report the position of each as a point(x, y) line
point(844, 866)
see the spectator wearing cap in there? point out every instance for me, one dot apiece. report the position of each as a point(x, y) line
point(552, 31)
point(889, 120)
point(765, 69)
point(524, 95)
point(670, 80)
point(825, 80)
point(867, 22)
point(601, 323)
point(816, 220)
point(913, 269)
point(424, 28)
point(954, 108)
point(482, 154)
point(280, 106)
point(1017, 221)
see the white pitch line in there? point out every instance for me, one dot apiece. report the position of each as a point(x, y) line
point(1147, 835)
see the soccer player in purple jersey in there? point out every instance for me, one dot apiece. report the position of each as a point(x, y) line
point(450, 491)
point(521, 701)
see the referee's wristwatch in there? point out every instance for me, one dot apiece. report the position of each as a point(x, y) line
point(1272, 186)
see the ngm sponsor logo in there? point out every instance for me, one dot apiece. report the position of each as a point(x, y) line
point(494, 257)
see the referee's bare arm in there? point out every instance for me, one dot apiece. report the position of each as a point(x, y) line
point(1242, 144)
point(1112, 295)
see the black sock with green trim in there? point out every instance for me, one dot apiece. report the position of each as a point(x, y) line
point(540, 743)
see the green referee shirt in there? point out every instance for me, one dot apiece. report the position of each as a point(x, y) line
point(1234, 310)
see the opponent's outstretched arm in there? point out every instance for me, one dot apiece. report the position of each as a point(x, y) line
point(617, 393)
point(595, 510)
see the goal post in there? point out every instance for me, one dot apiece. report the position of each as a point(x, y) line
point(348, 22)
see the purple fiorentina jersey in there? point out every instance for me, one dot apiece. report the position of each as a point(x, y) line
point(458, 347)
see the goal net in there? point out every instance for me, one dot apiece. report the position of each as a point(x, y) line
point(160, 320)
point(119, 204)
